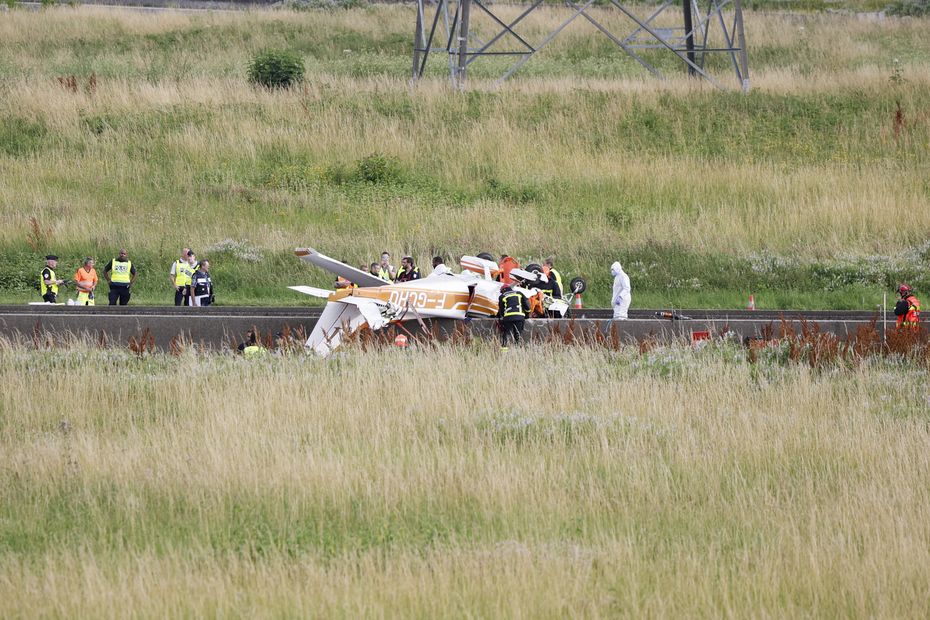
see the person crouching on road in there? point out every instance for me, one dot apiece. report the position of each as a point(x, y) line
point(180, 276)
point(202, 286)
point(48, 281)
point(120, 274)
point(622, 292)
point(512, 310)
point(85, 279)
point(252, 347)
point(908, 308)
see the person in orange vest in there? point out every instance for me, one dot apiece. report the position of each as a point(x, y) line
point(908, 308)
point(85, 278)
point(345, 282)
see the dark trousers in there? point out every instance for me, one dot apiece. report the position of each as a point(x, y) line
point(511, 330)
point(50, 297)
point(182, 297)
point(119, 294)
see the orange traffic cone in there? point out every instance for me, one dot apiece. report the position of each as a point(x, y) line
point(752, 303)
point(578, 305)
point(400, 341)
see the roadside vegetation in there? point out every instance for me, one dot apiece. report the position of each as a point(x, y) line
point(657, 482)
point(810, 192)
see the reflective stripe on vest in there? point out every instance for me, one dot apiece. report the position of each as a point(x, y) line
point(121, 271)
point(508, 311)
point(182, 273)
point(558, 279)
point(51, 277)
point(384, 274)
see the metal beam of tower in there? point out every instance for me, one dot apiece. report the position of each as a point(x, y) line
point(447, 28)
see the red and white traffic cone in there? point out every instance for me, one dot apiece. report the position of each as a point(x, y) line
point(578, 305)
point(752, 303)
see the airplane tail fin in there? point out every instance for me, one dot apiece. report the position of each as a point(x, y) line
point(353, 275)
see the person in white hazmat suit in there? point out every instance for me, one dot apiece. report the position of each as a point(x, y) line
point(622, 294)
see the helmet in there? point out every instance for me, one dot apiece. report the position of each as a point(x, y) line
point(904, 289)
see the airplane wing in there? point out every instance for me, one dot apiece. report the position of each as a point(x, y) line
point(353, 275)
point(312, 291)
point(340, 318)
point(336, 319)
point(369, 309)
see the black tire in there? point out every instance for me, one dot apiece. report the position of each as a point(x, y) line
point(577, 285)
point(533, 268)
point(486, 256)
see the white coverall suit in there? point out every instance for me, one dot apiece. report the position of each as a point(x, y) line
point(622, 293)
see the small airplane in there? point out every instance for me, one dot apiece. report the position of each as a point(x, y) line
point(376, 303)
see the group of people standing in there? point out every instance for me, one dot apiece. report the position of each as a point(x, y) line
point(190, 278)
point(193, 285)
point(408, 270)
point(119, 273)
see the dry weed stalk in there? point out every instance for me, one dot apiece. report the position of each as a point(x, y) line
point(37, 237)
point(143, 344)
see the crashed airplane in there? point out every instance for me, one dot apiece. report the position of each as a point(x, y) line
point(375, 303)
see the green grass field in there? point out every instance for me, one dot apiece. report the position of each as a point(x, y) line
point(805, 193)
point(456, 482)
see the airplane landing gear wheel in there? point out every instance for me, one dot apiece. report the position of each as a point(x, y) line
point(577, 285)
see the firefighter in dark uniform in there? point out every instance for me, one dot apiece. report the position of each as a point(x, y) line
point(550, 287)
point(512, 310)
point(48, 282)
point(202, 285)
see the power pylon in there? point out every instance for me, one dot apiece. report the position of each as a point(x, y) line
point(443, 27)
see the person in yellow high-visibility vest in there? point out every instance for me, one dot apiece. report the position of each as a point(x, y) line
point(48, 281)
point(120, 274)
point(182, 270)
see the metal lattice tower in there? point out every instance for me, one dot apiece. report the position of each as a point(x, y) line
point(443, 27)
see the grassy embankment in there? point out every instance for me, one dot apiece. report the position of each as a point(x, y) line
point(628, 485)
point(803, 193)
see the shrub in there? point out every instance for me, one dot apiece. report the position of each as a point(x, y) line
point(378, 169)
point(276, 69)
point(910, 8)
point(308, 5)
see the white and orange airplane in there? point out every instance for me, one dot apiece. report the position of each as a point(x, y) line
point(376, 303)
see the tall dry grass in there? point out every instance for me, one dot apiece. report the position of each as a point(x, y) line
point(581, 156)
point(461, 481)
point(181, 76)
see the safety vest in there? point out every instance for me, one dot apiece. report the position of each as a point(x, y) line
point(558, 279)
point(384, 274)
point(912, 318)
point(403, 276)
point(45, 289)
point(182, 273)
point(513, 309)
point(253, 350)
point(122, 271)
